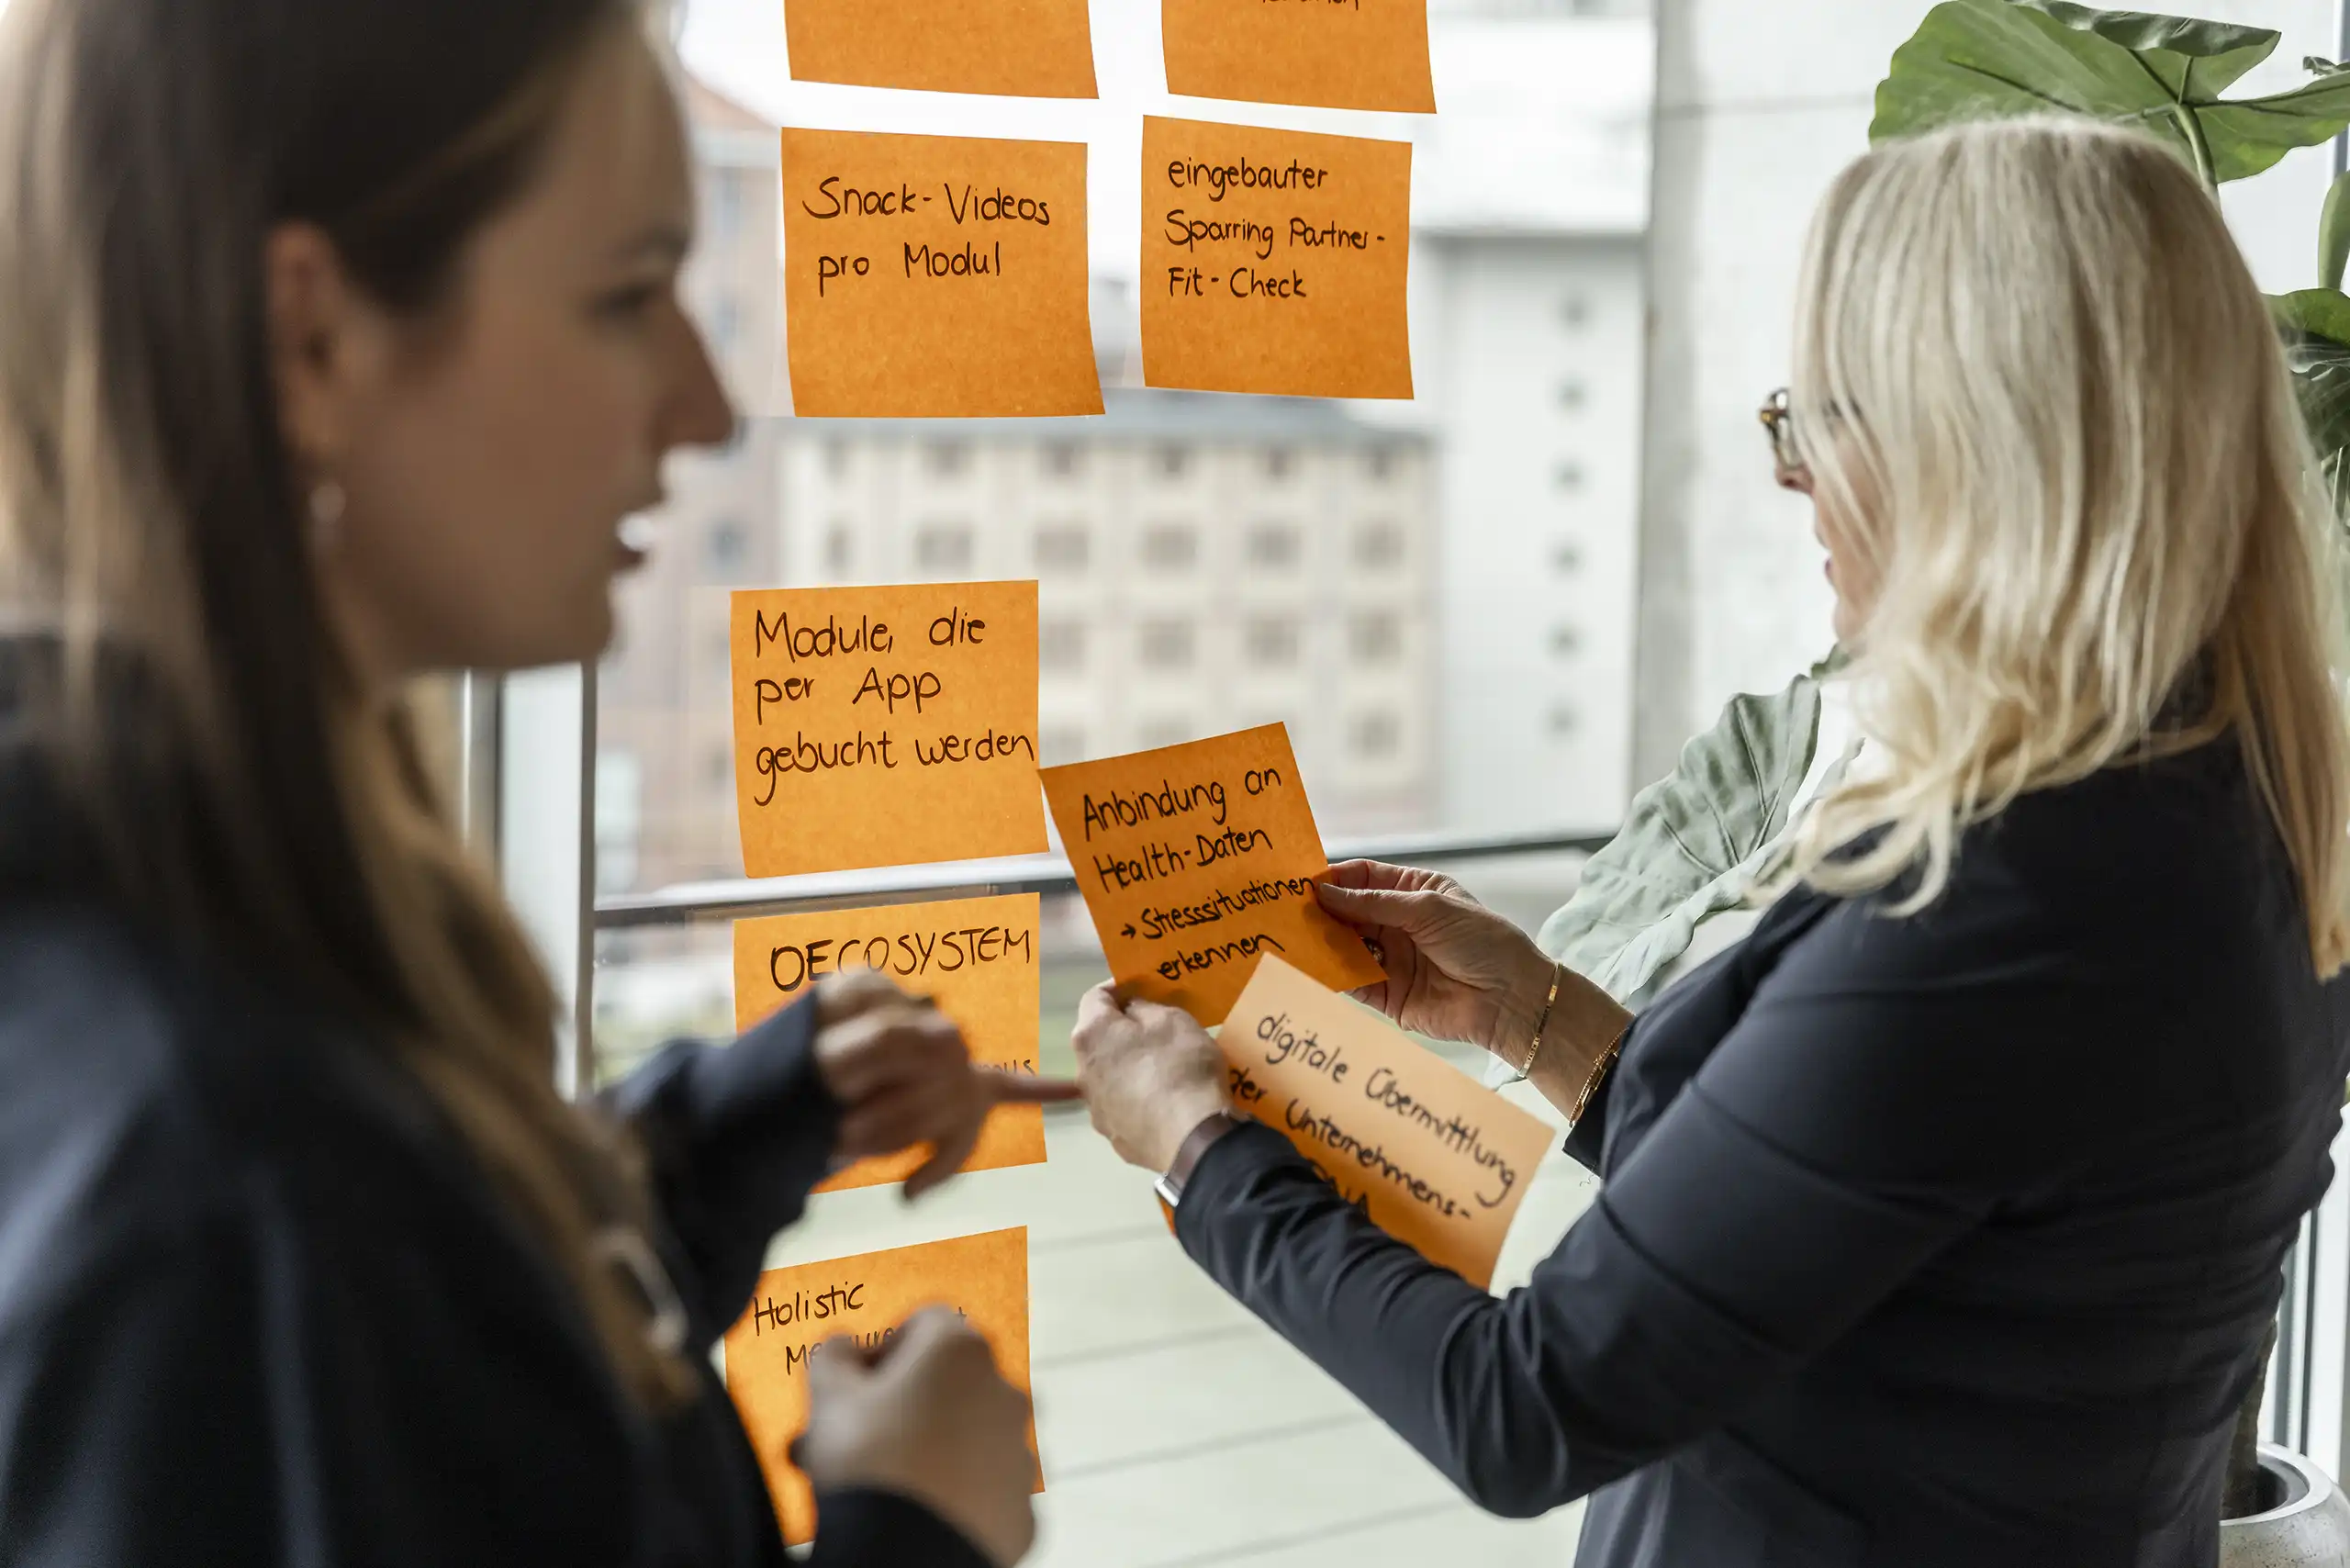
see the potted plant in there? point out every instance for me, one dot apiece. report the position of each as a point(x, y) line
point(1697, 842)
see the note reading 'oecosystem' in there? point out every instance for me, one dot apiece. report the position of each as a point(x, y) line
point(1037, 49)
point(936, 275)
point(1195, 859)
point(1367, 55)
point(976, 957)
point(884, 726)
point(1274, 260)
point(984, 1277)
point(1437, 1161)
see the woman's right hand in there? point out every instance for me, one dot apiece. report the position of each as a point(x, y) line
point(928, 1417)
point(1455, 969)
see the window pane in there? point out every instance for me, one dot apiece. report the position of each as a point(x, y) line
point(1434, 596)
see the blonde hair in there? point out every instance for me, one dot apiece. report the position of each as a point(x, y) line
point(2040, 396)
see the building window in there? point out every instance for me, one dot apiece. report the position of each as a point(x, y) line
point(718, 767)
point(1375, 736)
point(725, 210)
point(1564, 720)
point(1569, 476)
point(947, 457)
point(1378, 546)
point(1279, 461)
point(1167, 645)
point(1060, 646)
point(1062, 547)
point(836, 459)
point(1061, 459)
point(725, 547)
point(1271, 641)
point(1169, 547)
point(1565, 641)
point(1173, 461)
point(1158, 733)
point(840, 548)
point(1576, 311)
point(1570, 395)
point(1272, 545)
point(1567, 556)
point(1062, 743)
point(1375, 637)
point(943, 547)
point(1381, 463)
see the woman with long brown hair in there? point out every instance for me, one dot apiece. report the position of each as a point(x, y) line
point(335, 342)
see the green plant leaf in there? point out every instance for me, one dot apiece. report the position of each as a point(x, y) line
point(2315, 323)
point(2333, 234)
point(1691, 844)
point(1995, 59)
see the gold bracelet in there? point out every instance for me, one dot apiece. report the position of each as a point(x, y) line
point(1558, 973)
point(1598, 1070)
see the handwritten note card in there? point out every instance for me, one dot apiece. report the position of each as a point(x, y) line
point(1274, 260)
point(1194, 860)
point(882, 726)
point(976, 957)
point(1038, 49)
point(1436, 1160)
point(985, 1277)
point(1350, 54)
point(936, 275)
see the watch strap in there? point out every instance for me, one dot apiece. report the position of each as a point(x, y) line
point(1187, 1158)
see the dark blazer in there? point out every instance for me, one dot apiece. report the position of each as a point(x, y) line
point(259, 1306)
point(1948, 1239)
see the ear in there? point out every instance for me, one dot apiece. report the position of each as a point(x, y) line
point(322, 332)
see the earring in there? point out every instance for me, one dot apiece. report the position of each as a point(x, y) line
point(326, 504)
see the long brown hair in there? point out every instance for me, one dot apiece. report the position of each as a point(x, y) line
point(171, 663)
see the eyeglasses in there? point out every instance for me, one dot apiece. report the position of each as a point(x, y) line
point(1779, 424)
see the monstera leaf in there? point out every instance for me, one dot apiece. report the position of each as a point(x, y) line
point(2316, 325)
point(1992, 58)
point(1692, 843)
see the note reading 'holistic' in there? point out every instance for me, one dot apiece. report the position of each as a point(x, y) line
point(1274, 260)
point(884, 726)
point(976, 957)
point(1437, 1161)
point(936, 275)
point(1037, 49)
point(984, 1277)
point(1194, 860)
point(1350, 54)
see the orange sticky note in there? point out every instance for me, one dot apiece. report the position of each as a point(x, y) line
point(1194, 860)
point(976, 957)
point(884, 726)
point(1437, 1161)
point(1358, 54)
point(984, 1277)
point(936, 275)
point(1037, 49)
point(1274, 260)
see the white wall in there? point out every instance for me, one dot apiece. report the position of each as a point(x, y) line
point(1495, 351)
point(1758, 106)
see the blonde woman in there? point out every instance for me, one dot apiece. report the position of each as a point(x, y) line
point(1941, 1217)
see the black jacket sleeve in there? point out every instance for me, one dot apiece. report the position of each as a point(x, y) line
point(738, 1134)
point(1833, 1142)
point(883, 1530)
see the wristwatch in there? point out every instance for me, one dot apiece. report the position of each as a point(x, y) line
point(1171, 1186)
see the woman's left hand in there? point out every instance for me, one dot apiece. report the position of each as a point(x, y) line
point(1150, 1074)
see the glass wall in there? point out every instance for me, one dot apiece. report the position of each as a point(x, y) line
point(1435, 597)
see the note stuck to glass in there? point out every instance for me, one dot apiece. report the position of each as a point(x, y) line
point(1436, 1160)
point(1036, 49)
point(1194, 859)
point(868, 1298)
